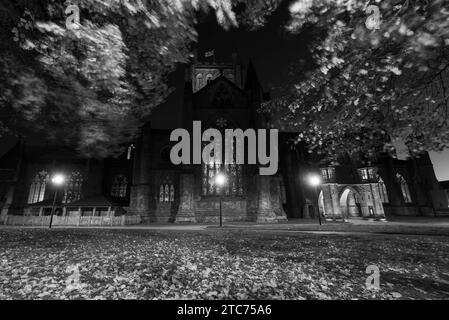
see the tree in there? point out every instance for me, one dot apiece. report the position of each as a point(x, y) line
point(380, 74)
point(92, 86)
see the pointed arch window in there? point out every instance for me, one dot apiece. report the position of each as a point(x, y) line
point(199, 81)
point(37, 187)
point(367, 174)
point(161, 193)
point(119, 186)
point(172, 193)
point(283, 192)
point(208, 78)
point(73, 187)
point(383, 191)
point(328, 174)
point(166, 193)
point(404, 188)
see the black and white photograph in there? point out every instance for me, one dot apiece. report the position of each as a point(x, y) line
point(233, 157)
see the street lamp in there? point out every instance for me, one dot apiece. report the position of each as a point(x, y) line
point(220, 180)
point(315, 181)
point(58, 180)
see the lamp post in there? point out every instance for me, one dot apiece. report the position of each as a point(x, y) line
point(58, 180)
point(315, 181)
point(220, 180)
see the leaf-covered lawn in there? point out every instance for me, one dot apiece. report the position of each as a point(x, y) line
point(373, 227)
point(217, 264)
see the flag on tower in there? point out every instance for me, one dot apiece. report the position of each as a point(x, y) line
point(209, 53)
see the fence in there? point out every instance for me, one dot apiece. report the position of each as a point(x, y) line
point(443, 212)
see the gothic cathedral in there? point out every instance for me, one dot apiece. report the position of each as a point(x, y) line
point(143, 186)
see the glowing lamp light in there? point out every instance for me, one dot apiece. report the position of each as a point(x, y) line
point(314, 180)
point(220, 179)
point(58, 179)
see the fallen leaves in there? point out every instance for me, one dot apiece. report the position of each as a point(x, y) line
point(133, 264)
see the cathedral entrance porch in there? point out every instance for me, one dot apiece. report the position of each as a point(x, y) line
point(355, 201)
point(350, 204)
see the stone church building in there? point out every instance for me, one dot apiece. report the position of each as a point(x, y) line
point(143, 186)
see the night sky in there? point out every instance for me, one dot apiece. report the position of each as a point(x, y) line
point(275, 54)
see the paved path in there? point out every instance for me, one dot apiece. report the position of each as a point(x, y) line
point(401, 226)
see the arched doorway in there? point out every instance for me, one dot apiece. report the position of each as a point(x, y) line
point(350, 203)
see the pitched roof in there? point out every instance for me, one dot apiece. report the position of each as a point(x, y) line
point(251, 79)
point(12, 156)
point(221, 77)
point(94, 201)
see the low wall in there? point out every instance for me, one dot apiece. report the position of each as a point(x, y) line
point(71, 221)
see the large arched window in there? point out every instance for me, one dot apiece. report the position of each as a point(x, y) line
point(73, 187)
point(404, 188)
point(37, 188)
point(234, 185)
point(166, 193)
point(119, 186)
point(383, 191)
point(233, 172)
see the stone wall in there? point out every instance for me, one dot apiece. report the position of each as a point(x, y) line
point(186, 210)
point(207, 209)
point(142, 200)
